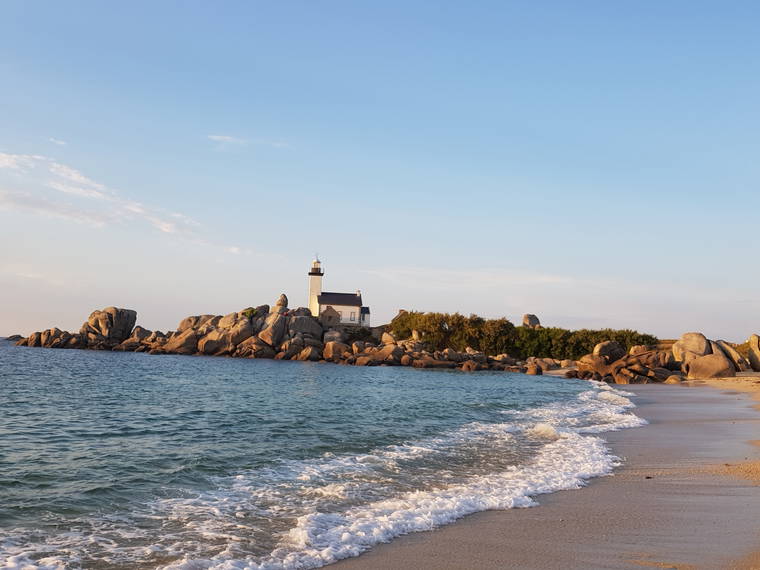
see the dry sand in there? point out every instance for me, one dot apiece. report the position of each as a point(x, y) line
point(688, 496)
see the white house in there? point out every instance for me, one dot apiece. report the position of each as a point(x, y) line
point(348, 306)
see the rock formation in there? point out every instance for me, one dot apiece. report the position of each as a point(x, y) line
point(754, 352)
point(693, 356)
point(281, 333)
point(531, 321)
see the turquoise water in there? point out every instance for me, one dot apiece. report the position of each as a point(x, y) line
point(135, 461)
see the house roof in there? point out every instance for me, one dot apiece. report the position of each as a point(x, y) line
point(346, 299)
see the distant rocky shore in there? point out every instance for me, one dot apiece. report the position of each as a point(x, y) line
point(281, 333)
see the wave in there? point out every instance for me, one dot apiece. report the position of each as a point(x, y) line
point(308, 513)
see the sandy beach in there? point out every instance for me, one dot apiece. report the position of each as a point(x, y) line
point(687, 497)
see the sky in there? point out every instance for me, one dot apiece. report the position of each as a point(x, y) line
point(595, 163)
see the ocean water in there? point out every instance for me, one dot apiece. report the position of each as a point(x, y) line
point(122, 460)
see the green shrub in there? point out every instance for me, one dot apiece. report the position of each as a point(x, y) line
point(358, 334)
point(495, 336)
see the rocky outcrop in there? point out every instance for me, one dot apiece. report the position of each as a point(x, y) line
point(754, 352)
point(185, 342)
point(531, 321)
point(710, 366)
point(278, 332)
point(107, 328)
point(609, 362)
point(740, 363)
point(693, 356)
point(691, 345)
point(609, 350)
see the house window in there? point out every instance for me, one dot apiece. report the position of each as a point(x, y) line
point(353, 316)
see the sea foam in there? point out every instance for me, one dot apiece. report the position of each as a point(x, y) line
point(337, 506)
point(566, 461)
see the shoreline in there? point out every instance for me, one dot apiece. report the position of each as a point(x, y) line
point(685, 498)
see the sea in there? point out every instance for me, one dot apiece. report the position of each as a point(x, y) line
point(124, 460)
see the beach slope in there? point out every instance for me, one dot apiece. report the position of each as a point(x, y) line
point(687, 497)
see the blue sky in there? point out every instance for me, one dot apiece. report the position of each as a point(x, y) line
point(595, 163)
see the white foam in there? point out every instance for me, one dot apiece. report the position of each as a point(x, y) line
point(543, 431)
point(336, 506)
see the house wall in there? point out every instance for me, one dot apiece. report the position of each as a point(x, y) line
point(345, 313)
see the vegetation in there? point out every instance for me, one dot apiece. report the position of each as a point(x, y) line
point(361, 333)
point(496, 336)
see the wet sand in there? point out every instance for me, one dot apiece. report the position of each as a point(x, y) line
point(688, 496)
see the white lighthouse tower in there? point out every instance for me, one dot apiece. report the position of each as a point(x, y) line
point(315, 286)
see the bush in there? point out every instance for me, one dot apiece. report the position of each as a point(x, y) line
point(495, 336)
point(360, 334)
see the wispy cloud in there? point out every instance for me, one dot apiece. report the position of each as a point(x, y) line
point(59, 142)
point(18, 161)
point(26, 202)
point(43, 186)
point(227, 139)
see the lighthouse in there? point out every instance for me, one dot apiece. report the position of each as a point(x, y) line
point(315, 286)
point(344, 309)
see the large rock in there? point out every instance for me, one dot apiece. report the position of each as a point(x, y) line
point(610, 350)
point(710, 366)
point(334, 336)
point(229, 321)
point(754, 352)
point(274, 330)
point(108, 328)
point(739, 362)
point(691, 345)
point(387, 338)
point(592, 363)
point(194, 322)
point(216, 342)
point(136, 339)
point(534, 369)
point(531, 321)
point(254, 347)
point(389, 353)
point(427, 362)
point(305, 325)
point(182, 343)
point(241, 331)
point(334, 350)
point(282, 300)
point(309, 353)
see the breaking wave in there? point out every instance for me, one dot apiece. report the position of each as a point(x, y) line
point(308, 513)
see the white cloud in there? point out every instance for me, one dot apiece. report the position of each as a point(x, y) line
point(73, 175)
point(75, 190)
point(18, 161)
point(40, 185)
point(227, 139)
point(10, 200)
point(77, 197)
point(57, 141)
